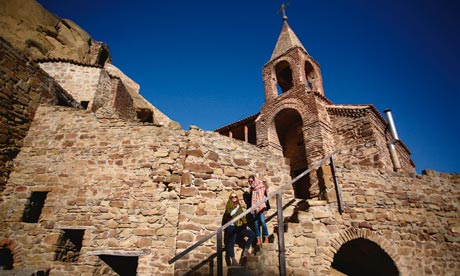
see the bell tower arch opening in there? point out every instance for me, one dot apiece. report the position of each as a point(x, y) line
point(284, 76)
point(363, 257)
point(288, 123)
point(310, 76)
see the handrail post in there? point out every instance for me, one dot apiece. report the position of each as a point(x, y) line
point(281, 247)
point(219, 253)
point(337, 187)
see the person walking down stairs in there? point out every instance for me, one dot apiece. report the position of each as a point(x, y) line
point(258, 192)
point(239, 229)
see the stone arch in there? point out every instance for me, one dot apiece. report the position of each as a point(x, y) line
point(369, 239)
point(288, 124)
point(14, 249)
point(284, 75)
point(269, 114)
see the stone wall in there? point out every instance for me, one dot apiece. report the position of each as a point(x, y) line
point(80, 80)
point(98, 179)
point(22, 87)
point(148, 194)
point(93, 85)
point(214, 167)
point(416, 215)
point(414, 219)
point(158, 190)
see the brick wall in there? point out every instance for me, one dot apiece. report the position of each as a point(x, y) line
point(363, 136)
point(122, 102)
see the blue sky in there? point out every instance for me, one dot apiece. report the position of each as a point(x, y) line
point(200, 62)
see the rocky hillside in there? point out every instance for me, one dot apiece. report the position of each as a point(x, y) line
point(39, 34)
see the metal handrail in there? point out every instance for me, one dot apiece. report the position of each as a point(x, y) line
point(219, 231)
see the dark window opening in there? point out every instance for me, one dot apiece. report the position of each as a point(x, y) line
point(69, 245)
point(309, 75)
point(363, 257)
point(34, 207)
point(144, 115)
point(6, 259)
point(284, 76)
point(12, 153)
point(84, 104)
point(41, 273)
point(123, 265)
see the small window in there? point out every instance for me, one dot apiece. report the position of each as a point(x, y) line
point(84, 104)
point(144, 115)
point(122, 265)
point(69, 245)
point(34, 207)
point(6, 258)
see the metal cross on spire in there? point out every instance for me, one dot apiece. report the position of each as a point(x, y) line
point(283, 10)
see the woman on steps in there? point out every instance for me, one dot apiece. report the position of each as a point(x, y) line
point(239, 229)
point(258, 191)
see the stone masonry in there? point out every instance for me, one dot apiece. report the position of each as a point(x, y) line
point(23, 88)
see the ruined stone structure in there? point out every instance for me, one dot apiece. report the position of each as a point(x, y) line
point(96, 181)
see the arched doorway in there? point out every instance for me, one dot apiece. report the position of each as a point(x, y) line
point(361, 257)
point(288, 124)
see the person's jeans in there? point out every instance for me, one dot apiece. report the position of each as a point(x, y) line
point(233, 233)
point(259, 220)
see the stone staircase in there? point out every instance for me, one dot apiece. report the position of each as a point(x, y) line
point(265, 261)
point(251, 265)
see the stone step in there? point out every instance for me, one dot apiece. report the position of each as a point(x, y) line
point(251, 262)
point(238, 271)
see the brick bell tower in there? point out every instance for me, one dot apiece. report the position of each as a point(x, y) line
point(293, 121)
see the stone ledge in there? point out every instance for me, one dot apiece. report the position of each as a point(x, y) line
point(312, 202)
point(118, 253)
point(74, 227)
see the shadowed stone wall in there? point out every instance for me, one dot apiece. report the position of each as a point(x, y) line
point(23, 86)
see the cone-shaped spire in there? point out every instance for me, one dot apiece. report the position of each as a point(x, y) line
point(286, 41)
